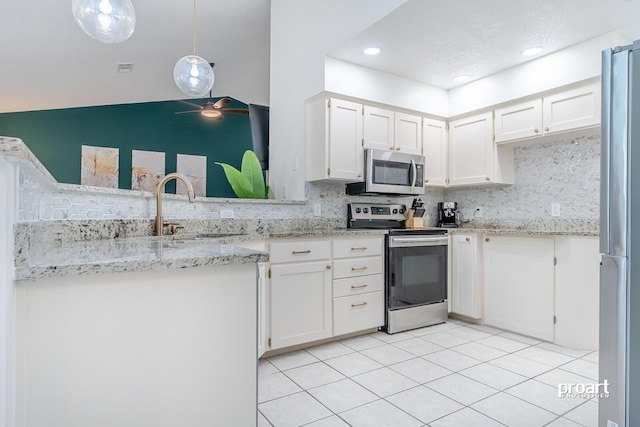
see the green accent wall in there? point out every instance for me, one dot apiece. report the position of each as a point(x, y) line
point(56, 137)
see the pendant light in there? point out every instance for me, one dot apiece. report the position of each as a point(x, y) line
point(193, 75)
point(108, 21)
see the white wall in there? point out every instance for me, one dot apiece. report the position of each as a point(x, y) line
point(302, 33)
point(8, 206)
point(372, 85)
point(579, 62)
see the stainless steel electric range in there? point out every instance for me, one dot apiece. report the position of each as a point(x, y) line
point(415, 266)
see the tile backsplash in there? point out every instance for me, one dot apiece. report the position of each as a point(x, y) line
point(564, 171)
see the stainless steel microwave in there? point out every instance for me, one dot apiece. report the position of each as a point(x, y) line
point(390, 172)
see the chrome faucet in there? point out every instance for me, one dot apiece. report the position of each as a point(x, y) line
point(160, 224)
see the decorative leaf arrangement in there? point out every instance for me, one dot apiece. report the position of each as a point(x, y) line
point(247, 183)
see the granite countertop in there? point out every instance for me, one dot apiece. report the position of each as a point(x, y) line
point(521, 232)
point(58, 259)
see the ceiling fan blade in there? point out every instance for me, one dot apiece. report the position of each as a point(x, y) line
point(221, 102)
point(185, 112)
point(235, 110)
point(189, 103)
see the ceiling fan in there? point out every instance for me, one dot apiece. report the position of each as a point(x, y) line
point(213, 110)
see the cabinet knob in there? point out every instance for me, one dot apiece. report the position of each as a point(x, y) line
point(398, 149)
point(536, 131)
point(426, 181)
point(546, 129)
point(359, 175)
point(467, 239)
point(328, 267)
point(486, 240)
point(486, 178)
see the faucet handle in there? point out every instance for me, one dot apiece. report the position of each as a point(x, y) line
point(173, 228)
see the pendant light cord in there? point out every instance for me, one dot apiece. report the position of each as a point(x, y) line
point(194, 27)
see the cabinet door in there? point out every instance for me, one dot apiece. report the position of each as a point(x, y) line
point(434, 146)
point(519, 285)
point(471, 150)
point(518, 121)
point(263, 309)
point(572, 109)
point(408, 133)
point(346, 156)
point(577, 292)
point(378, 128)
point(466, 296)
point(300, 303)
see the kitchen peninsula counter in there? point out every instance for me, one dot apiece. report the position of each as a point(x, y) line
point(71, 257)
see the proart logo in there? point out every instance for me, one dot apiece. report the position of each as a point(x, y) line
point(584, 390)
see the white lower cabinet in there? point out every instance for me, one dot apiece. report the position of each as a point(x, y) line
point(300, 303)
point(546, 288)
point(321, 288)
point(577, 292)
point(358, 302)
point(466, 280)
point(519, 284)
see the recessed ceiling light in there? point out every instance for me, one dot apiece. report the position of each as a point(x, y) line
point(530, 51)
point(462, 78)
point(374, 50)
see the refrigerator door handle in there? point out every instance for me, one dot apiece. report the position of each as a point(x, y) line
point(605, 150)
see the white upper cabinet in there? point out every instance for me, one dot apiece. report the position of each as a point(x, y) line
point(408, 133)
point(522, 120)
point(563, 111)
point(435, 144)
point(334, 140)
point(572, 109)
point(378, 129)
point(473, 157)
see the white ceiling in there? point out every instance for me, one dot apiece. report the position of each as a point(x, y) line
point(49, 62)
point(431, 41)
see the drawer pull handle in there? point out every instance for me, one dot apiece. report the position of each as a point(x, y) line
point(358, 286)
point(358, 268)
point(361, 248)
point(468, 239)
point(301, 252)
point(362, 304)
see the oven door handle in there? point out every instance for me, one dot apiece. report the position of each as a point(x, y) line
point(395, 242)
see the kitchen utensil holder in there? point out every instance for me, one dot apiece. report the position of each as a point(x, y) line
point(413, 221)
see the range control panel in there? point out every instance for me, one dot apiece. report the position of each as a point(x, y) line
point(377, 211)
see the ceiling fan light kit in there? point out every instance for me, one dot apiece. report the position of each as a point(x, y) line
point(192, 74)
point(108, 21)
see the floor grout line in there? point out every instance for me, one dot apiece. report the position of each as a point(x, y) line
point(409, 336)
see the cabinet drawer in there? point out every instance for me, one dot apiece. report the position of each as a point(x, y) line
point(357, 267)
point(366, 246)
point(304, 250)
point(357, 312)
point(357, 285)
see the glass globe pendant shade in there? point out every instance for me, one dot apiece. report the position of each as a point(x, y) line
point(193, 76)
point(108, 21)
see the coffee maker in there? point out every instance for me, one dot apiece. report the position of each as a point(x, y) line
point(447, 214)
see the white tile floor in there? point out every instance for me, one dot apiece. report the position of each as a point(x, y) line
point(452, 374)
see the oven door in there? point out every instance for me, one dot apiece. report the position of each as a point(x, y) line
point(416, 270)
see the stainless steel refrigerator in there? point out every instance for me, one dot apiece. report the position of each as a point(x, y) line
point(620, 237)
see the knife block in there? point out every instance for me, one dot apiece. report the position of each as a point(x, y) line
point(413, 221)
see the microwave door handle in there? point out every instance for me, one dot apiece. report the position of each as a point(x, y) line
point(414, 175)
